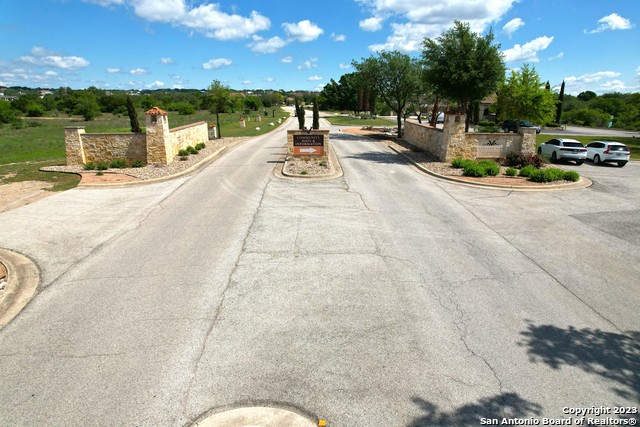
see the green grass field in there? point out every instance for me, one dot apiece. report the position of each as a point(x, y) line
point(357, 121)
point(41, 141)
point(632, 143)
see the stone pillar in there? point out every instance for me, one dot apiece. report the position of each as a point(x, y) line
point(74, 147)
point(528, 141)
point(157, 124)
point(242, 123)
point(213, 131)
point(454, 138)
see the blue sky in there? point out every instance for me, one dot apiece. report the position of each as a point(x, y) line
point(282, 44)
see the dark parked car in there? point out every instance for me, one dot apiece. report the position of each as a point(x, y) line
point(512, 125)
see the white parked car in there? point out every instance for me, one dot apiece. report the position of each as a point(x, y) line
point(563, 149)
point(606, 151)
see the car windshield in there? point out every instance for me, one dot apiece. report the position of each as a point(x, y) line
point(572, 144)
point(618, 148)
point(526, 123)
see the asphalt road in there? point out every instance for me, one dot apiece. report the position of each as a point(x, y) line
point(382, 298)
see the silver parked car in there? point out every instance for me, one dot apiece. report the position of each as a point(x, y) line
point(563, 149)
point(607, 151)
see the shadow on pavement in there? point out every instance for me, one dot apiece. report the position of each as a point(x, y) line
point(507, 405)
point(613, 356)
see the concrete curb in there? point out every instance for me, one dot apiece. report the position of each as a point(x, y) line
point(23, 278)
point(280, 173)
point(583, 183)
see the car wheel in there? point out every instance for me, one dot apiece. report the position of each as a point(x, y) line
point(554, 157)
point(539, 151)
point(596, 160)
point(621, 164)
point(579, 162)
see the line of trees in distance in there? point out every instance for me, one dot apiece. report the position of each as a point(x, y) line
point(458, 70)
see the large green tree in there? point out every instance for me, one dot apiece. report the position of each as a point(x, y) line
point(463, 66)
point(219, 101)
point(395, 77)
point(523, 96)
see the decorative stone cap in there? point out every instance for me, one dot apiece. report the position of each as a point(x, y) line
point(155, 111)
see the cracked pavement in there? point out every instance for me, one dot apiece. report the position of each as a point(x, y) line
point(353, 298)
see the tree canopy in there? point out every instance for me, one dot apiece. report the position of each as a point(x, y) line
point(395, 77)
point(463, 66)
point(524, 97)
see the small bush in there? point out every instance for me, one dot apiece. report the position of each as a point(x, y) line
point(304, 172)
point(552, 125)
point(520, 160)
point(102, 166)
point(513, 159)
point(460, 163)
point(192, 150)
point(484, 123)
point(99, 173)
point(491, 168)
point(474, 169)
point(527, 171)
point(572, 176)
point(200, 146)
point(89, 166)
point(183, 158)
point(547, 175)
point(118, 164)
point(511, 172)
point(137, 163)
point(183, 153)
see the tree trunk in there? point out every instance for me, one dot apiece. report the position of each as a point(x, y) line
point(434, 113)
point(399, 119)
point(218, 124)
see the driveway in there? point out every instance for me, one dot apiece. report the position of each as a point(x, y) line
point(384, 297)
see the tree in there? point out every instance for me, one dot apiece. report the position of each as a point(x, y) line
point(219, 100)
point(300, 114)
point(559, 104)
point(395, 77)
point(524, 97)
point(463, 66)
point(133, 116)
point(316, 114)
point(586, 95)
point(7, 113)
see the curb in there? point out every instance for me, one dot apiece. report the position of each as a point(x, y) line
point(23, 278)
point(583, 183)
point(280, 173)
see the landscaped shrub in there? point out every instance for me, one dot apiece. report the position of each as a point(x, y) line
point(183, 153)
point(192, 150)
point(137, 163)
point(552, 125)
point(474, 169)
point(460, 163)
point(511, 172)
point(527, 171)
point(200, 145)
point(491, 168)
point(89, 166)
point(572, 176)
point(547, 175)
point(513, 159)
point(118, 164)
point(520, 160)
point(102, 166)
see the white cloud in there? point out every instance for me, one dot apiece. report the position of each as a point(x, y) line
point(246, 82)
point(50, 73)
point(138, 71)
point(287, 59)
point(371, 24)
point(345, 66)
point(429, 18)
point(113, 70)
point(206, 19)
point(638, 71)
point(338, 37)
point(272, 45)
point(527, 52)
point(319, 88)
point(308, 64)
point(43, 57)
point(611, 22)
point(155, 85)
point(615, 86)
point(558, 56)
point(166, 61)
point(268, 79)
point(512, 26)
point(590, 78)
point(303, 31)
point(314, 78)
point(217, 63)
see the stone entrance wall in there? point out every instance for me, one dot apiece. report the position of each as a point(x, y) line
point(452, 141)
point(158, 145)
